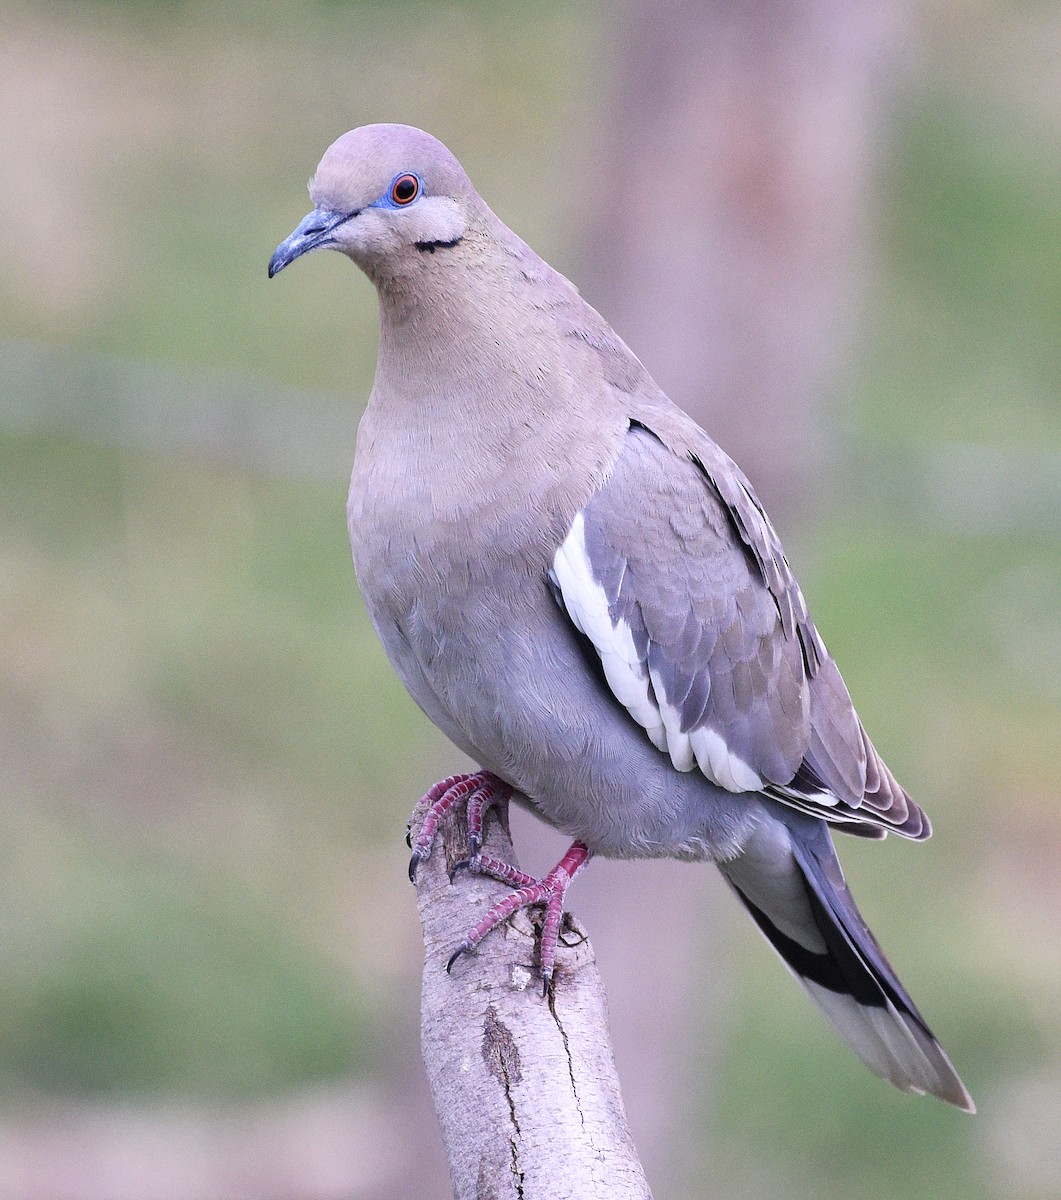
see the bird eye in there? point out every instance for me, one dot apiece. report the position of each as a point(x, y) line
point(405, 189)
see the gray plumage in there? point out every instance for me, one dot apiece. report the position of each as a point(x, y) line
point(584, 593)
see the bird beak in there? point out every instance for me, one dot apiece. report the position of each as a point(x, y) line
point(312, 232)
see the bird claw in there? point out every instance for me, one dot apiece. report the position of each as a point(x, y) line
point(463, 948)
point(471, 864)
point(478, 792)
point(528, 892)
point(414, 863)
point(547, 982)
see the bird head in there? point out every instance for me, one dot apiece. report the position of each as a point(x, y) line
point(379, 191)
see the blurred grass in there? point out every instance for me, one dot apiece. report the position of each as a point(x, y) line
point(165, 730)
point(148, 977)
point(966, 344)
point(207, 761)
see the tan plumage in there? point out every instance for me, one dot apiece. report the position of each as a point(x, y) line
point(583, 592)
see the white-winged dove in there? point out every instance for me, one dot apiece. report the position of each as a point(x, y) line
point(584, 593)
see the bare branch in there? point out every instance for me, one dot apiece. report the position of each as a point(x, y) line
point(524, 1085)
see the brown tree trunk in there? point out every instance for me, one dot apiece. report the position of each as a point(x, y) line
point(729, 211)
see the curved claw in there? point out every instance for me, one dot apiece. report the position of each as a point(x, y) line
point(465, 864)
point(414, 863)
point(409, 836)
point(463, 948)
point(547, 981)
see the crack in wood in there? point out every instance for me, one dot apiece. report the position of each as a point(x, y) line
point(567, 1053)
point(501, 1055)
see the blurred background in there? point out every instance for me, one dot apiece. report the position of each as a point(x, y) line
point(833, 231)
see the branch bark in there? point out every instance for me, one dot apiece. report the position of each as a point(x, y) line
point(524, 1086)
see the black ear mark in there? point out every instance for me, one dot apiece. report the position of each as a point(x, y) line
point(431, 247)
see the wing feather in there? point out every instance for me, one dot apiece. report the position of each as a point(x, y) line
point(676, 577)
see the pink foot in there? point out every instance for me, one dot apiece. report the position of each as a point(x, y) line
point(549, 892)
point(477, 792)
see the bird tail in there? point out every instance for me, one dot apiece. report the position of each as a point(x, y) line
point(789, 878)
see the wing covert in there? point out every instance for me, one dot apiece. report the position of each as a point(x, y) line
point(674, 574)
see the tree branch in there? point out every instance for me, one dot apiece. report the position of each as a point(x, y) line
point(524, 1085)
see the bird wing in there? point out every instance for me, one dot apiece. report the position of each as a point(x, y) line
point(674, 574)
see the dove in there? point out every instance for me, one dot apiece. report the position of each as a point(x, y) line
point(584, 593)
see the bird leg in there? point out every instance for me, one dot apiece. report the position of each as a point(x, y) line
point(549, 892)
point(477, 791)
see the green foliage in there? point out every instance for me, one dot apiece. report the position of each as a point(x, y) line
point(150, 977)
point(145, 960)
point(966, 343)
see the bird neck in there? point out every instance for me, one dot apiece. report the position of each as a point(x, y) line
point(468, 335)
point(481, 372)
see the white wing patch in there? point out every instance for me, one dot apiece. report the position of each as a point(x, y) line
point(717, 762)
point(786, 793)
point(587, 605)
point(676, 743)
point(639, 689)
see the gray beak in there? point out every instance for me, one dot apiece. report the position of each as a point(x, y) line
point(311, 233)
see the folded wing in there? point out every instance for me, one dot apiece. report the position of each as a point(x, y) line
point(674, 574)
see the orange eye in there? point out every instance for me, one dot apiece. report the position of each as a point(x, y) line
point(405, 189)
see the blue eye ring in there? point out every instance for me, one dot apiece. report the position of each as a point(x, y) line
point(404, 190)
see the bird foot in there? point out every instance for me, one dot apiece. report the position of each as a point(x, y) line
point(528, 891)
point(478, 791)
